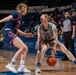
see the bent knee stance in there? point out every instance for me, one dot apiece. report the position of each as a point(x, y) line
point(63, 48)
point(24, 48)
point(41, 52)
point(65, 51)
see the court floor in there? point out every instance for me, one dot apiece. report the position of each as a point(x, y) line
point(61, 67)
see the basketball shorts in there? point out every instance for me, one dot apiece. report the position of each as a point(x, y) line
point(9, 36)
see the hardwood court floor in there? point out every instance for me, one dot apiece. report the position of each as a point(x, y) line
point(61, 67)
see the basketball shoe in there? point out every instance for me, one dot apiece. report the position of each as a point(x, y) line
point(10, 66)
point(23, 69)
point(38, 70)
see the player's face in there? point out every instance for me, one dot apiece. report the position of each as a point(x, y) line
point(24, 11)
point(43, 19)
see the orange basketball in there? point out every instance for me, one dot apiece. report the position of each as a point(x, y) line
point(51, 61)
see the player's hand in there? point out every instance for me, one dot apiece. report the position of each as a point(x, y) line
point(29, 35)
point(54, 52)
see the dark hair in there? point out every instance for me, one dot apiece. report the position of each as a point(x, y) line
point(68, 12)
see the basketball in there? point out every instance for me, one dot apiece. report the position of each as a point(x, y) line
point(51, 61)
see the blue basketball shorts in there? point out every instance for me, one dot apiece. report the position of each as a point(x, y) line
point(9, 36)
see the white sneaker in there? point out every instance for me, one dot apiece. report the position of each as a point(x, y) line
point(38, 70)
point(10, 66)
point(23, 69)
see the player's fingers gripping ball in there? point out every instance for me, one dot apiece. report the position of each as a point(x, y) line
point(51, 61)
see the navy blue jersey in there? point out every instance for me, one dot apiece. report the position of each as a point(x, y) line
point(11, 27)
point(14, 23)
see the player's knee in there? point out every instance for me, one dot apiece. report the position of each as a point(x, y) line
point(39, 51)
point(43, 51)
point(65, 51)
point(25, 48)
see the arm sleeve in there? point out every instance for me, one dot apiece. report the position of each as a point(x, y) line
point(38, 29)
point(15, 15)
point(54, 28)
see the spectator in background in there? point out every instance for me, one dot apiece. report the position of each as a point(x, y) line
point(68, 29)
point(75, 6)
point(59, 28)
point(56, 10)
point(73, 13)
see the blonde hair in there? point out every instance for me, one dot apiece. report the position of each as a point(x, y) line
point(49, 19)
point(20, 7)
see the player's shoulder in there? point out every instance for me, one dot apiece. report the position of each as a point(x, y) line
point(51, 25)
point(40, 26)
point(14, 12)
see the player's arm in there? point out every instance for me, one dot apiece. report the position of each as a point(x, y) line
point(6, 19)
point(39, 38)
point(39, 41)
point(55, 34)
point(55, 41)
point(20, 32)
point(23, 33)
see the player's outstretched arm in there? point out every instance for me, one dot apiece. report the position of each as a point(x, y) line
point(6, 19)
point(23, 33)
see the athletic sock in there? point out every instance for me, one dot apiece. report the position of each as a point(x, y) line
point(38, 64)
point(22, 62)
point(13, 61)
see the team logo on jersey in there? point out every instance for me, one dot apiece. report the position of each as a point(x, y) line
point(11, 34)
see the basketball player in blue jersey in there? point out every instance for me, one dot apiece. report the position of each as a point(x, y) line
point(47, 38)
point(14, 20)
